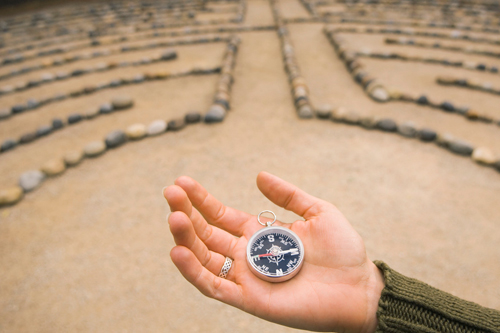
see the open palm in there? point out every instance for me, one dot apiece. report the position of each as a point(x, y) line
point(337, 288)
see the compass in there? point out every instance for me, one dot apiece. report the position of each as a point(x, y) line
point(274, 254)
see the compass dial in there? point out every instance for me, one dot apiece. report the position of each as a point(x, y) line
point(275, 254)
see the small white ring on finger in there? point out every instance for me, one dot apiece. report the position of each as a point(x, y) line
point(226, 267)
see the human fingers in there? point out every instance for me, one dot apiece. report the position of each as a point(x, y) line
point(216, 213)
point(205, 281)
point(184, 234)
point(290, 196)
point(210, 235)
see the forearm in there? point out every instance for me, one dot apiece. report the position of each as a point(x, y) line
point(408, 305)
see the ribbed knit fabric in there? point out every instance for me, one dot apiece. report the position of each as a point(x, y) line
point(408, 305)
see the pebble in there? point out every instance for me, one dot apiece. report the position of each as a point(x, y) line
point(483, 155)
point(157, 127)
point(8, 144)
point(92, 113)
point(192, 118)
point(43, 130)
point(422, 100)
point(497, 165)
point(426, 134)
point(28, 137)
point(368, 122)
point(215, 114)
point(31, 180)
point(461, 147)
point(11, 195)
point(324, 111)
point(352, 118)
point(106, 108)
point(94, 148)
point(74, 118)
point(387, 125)
point(136, 131)
point(5, 113)
point(305, 112)
point(54, 167)
point(122, 102)
point(444, 140)
point(176, 124)
point(115, 139)
point(169, 54)
point(73, 157)
point(380, 94)
point(57, 124)
point(447, 106)
point(339, 114)
point(407, 129)
point(18, 108)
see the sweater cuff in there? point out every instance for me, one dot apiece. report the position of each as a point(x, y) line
point(408, 305)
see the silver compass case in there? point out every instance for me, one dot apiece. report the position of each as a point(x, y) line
point(267, 276)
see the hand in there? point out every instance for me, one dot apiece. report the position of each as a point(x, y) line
point(337, 289)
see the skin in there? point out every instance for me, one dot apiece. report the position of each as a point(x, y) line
point(337, 289)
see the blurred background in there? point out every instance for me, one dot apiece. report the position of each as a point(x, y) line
point(388, 109)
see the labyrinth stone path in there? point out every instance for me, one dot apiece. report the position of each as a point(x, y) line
point(388, 109)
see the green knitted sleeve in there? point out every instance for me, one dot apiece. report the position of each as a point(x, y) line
point(408, 305)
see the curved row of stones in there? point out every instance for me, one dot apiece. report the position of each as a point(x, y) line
point(139, 78)
point(32, 179)
point(48, 77)
point(468, 83)
point(298, 86)
point(378, 92)
point(116, 104)
point(184, 20)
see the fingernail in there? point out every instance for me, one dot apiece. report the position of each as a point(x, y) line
point(163, 190)
point(168, 215)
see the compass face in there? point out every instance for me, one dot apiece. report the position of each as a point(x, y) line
point(275, 254)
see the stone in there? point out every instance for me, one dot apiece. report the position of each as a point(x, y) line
point(368, 122)
point(5, 113)
point(427, 135)
point(94, 148)
point(192, 118)
point(57, 124)
point(136, 131)
point(305, 112)
point(54, 167)
point(8, 144)
point(28, 137)
point(447, 106)
point(483, 155)
point(92, 113)
point(497, 165)
point(122, 102)
point(215, 114)
point(387, 125)
point(31, 180)
point(18, 108)
point(408, 129)
point(176, 124)
point(352, 118)
point(422, 100)
point(169, 54)
point(444, 140)
point(324, 111)
point(74, 118)
point(106, 108)
point(11, 195)
point(73, 157)
point(339, 114)
point(461, 147)
point(157, 127)
point(43, 130)
point(462, 110)
point(115, 139)
point(379, 94)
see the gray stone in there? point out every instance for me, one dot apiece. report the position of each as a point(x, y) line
point(92, 113)
point(94, 148)
point(115, 139)
point(5, 113)
point(57, 124)
point(122, 102)
point(444, 140)
point(380, 94)
point(352, 118)
point(106, 108)
point(426, 134)
point(192, 118)
point(407, 129)
point(74, 118)
point(157, 127)
point(305, 112)
point(368, 122)
point(215, 114)
point(43, 130)
point(176, 124)
point(169, 54)
point(28, 137)
point(497, 165)
point(387, 125)
point(31, 180)
point(324, 111)
point(18, 108)
point(8, 144)
point(461, 147)
point(32, 104)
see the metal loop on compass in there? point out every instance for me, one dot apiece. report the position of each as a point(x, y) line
point(268, 224)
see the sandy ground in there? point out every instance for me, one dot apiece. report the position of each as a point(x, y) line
point(89, 250)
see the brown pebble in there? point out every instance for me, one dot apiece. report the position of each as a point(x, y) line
point(53, 167)
point(73, 158)
point(11, 195)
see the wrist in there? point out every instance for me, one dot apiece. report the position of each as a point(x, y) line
point(375, 286)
